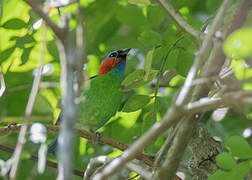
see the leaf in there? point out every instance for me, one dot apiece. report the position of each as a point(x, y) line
point(240, 171)
point(238, 44)
point(136, 79)
point(26, 54)
point(53, 50)
point(213, 5)
point(225, 161)
point(131, 15)
point(149, 38)
point(239, 147)
point(6, 53)
point(136, 102)
point(1, 9)
point(172, 60)
point(184, 62)
point(140, 2)
point(155, 15)
point(14, 23)
point(158, 56)
point(21, 41)
point(147, 63)
point(220, 175)
point(148, 120)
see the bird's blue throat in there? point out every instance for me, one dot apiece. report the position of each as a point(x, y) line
point(120, 68)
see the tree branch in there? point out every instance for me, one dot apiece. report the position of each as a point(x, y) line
point(179, 20)
point(185, 93)
point(173, 115)
point(187, 127)
point(147, 159)
point(36, 6)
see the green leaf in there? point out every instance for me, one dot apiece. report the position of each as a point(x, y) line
point(131, 15)
point(225, 161)
point(22, 41)
point(147, 63)
point(136, 102)
point(6, 53)
point(213, 5)
point(150, 38)
point(26, 54)
point(220, 175)
point(1, 9)
point(53, 50)
point(14, 23)
point(241, 170)
point(136, 79)
point(238, 44)
point(184, 62)
point(239, 147)
point(158, 56)
point(155, 15)
point(172, 60)
point(149, 119)
point(140, 2)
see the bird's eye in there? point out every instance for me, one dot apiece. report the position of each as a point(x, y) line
point(114, 54)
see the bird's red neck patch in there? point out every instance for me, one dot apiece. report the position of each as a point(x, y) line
point(108, 64)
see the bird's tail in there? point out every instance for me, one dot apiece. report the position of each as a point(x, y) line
point(52, 148)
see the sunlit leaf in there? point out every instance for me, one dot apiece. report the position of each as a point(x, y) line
point(238, 44)
point(136, 102)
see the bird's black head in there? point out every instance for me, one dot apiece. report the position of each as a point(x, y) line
point(119, 53)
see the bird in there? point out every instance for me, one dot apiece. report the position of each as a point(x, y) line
point(101, 94)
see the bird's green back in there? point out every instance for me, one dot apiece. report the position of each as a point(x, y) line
point(102, 99)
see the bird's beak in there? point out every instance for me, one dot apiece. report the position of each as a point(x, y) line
point(125, 51)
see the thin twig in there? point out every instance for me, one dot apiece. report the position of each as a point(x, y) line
point(28, 110)
point(179, 20)
point(164, 149)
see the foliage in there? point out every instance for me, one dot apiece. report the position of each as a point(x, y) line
point(159, 46)
point(239, 150)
